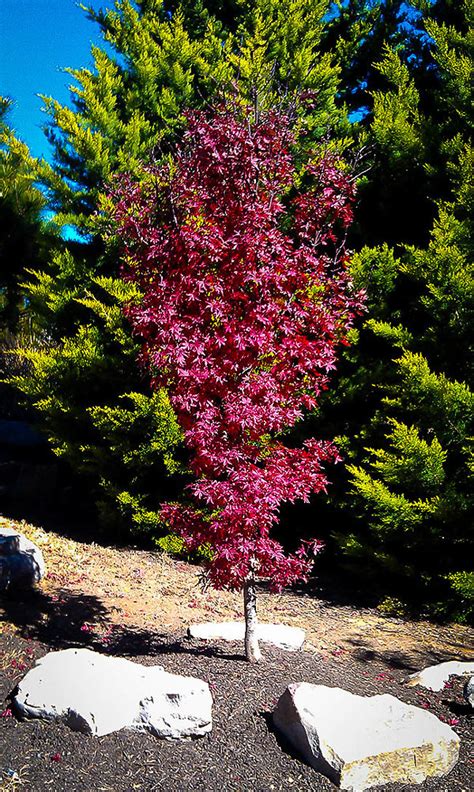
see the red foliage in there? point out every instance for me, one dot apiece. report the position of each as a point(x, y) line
point(240, 258)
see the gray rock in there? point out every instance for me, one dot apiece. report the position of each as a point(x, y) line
point(290, 638)
point(174, 706)
point(96, 694)
point(360, 742)
point(469, 691)
point(21, 561)
point(434, 677)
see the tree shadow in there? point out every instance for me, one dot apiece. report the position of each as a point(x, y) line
point(68, 619)
point(127, 641)
point(409, 661)
point(60, 620)
point(393, 659)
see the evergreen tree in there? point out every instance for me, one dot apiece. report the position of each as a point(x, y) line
point(24, 239)
point(414, 489)
point(412, 469)
point(356, 31)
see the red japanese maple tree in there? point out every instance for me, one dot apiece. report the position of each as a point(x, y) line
point(240, 257)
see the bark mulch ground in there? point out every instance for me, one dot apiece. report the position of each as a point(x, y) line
point(137, 604)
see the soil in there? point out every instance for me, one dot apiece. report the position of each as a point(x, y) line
point(137, 604)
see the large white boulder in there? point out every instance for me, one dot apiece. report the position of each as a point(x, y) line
point(434, 677)
point(291, 638)
point(21, 561)
point(360, 742)
point(97, 695)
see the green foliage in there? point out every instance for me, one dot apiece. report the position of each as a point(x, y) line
point(396, 125)
point(375, 270)
point(357, 31)
point(410, 478)
point(281, 51)
point(446, 405)
point(462, 584)
point(412, 463)
point(453, 55)
point(412, 491)
point(123, 442)
point(24, 238)
point(174, 546)
point(421, 121)
point(160, 431)
point(392, 606)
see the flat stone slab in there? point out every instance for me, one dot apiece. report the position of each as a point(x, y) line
point(434, 677)
point(21, 561)
point(290, 638)
point(96, 694)
point(360, 742)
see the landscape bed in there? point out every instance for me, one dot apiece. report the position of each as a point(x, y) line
point(142, 614)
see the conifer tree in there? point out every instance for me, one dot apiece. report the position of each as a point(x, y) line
point(356, 31)
point(24, 238)
point(411, 476)
point(414, 488)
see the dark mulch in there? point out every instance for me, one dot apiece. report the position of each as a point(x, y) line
point(242, 752)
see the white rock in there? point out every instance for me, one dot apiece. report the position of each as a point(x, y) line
point(291, 638)
point(175, 707)
point(21, 561)
point(97, 695)
point(360, 742)
point(434, 677)
point(88, 691)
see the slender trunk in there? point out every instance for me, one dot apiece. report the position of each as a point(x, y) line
point(252, 649)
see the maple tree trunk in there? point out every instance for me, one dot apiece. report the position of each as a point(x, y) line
point(252, 649)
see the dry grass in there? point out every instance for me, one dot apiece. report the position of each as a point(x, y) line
point(146, 590)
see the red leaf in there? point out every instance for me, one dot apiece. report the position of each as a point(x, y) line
point(245, 300)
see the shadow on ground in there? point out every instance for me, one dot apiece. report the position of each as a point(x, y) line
point(74, 619)
point(409, 661)
point(71, 618)
point(58, 620)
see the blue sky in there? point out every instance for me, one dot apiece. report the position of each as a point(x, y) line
point(37, 39)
